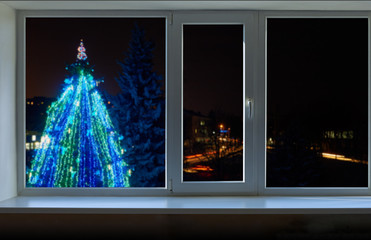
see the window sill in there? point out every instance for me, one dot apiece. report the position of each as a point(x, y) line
point(188, 205)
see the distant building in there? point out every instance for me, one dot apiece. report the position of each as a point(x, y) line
point(196, 128)
point(36, 113)
point(338, 141)
point(33, 140)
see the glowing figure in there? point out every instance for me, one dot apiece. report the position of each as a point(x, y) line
point(81, 55)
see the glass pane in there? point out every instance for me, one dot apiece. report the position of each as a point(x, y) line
point(317, 103)
point(95, 102)
point(213, 103)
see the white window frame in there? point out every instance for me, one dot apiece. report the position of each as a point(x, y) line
point(249, 21)
point(261, 102)
point(21, 96)
point(254, 89)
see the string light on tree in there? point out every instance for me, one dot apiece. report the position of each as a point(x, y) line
point(80, 146)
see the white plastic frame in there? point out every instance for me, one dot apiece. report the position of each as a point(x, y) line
point(261, 99)
point(249, 22)
point(21, 87)
point(254, 91)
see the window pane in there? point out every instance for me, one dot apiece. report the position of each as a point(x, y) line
point(212, 102)
point(95, 102)
point(317, 102)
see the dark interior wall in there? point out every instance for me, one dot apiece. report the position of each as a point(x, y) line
point(119, 226)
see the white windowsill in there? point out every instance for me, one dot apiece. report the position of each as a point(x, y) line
point(188, 205)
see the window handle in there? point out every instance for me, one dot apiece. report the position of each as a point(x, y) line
point(249, 105)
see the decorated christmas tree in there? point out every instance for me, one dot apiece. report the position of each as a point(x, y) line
point(139, 113)
point(79, 146)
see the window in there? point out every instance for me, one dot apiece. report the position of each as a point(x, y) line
point(103, 84)
point(213, 99)
point(214, 52)
point(317, 102)
point(248, 103)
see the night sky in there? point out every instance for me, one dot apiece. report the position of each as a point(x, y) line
point(317, 71)
point(213, 68)
point(310, 56)
point(212, 57)
point(51, 44)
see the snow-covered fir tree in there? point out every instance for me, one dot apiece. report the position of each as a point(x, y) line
point(138, 111)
